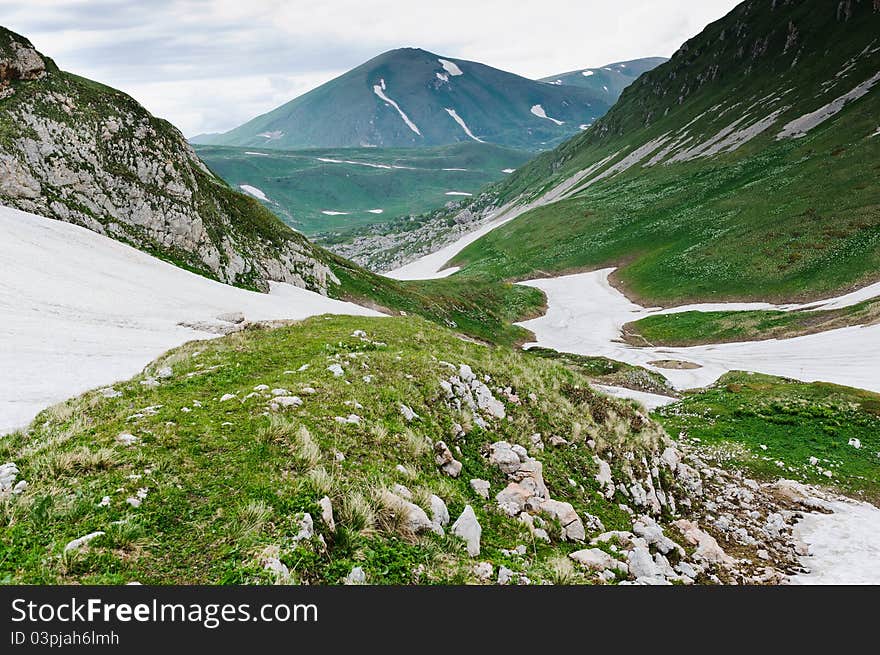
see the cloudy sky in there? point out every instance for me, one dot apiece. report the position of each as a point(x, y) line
point(210, 65)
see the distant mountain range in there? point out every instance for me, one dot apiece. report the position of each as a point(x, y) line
point(411, 97)
point(608, 81)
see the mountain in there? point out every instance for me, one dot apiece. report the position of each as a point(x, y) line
point(411, 97)
point(336, 190)
point(81, 152)
point(743, 168)
point(607, 81)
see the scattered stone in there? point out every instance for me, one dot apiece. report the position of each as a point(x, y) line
point(327, 513)
point(505, 575)
point(439, 512)
point(306, 528)
point(287, 401)
point(483, 570)
point(415, 518)
point(339, 457)
point(83, 542)
point(444, 459)
point(231, 317)
point(336, 370)
point(227, 396)
point(572, 526)
point(109, 392)
point(468, 528)
point(356, 577)
point(126, 439)
point(408, 414)
point(558, 442)
point(261, 387)
point(595, 559)
point(504, 457)
point(164, 373)
point(707, 547)
point(105, 501)
point(480, 487)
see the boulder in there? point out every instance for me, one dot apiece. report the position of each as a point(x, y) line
point(594, 559)
point(504, 457)
point(468, 528)
point(356, 577)
point(439, 512)
point(480, 487)
point(572, 526)
point(707, 547)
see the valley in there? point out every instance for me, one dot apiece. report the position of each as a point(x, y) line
point(437, 323)
point(326, 194)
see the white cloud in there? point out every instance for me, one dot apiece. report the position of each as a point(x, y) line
point(208, 65)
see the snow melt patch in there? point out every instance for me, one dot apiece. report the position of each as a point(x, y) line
point(800, 126)
point(508, 170)
point(585, 315)
point(81, 311)
point(538, 111)
point(650, 401)
point(379, 90)
point(450, 67)
point(844, 546)
point(458, 193)
point(458, 119)
point(253, 191)
point(330, 212)
point(375, 211)
point(258, 154)
point(272, 136)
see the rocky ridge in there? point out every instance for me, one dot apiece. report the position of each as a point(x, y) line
point(80, 152)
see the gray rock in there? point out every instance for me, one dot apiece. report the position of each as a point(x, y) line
point(480, 487)
point(82, 542)
point(468, 528)
point(327, 513)
point(356, 576)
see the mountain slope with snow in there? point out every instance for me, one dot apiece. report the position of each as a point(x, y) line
point(81, 310)
point(411, 97)
point(741, 169)
point(607, 81)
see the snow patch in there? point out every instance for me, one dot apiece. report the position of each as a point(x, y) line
point(258, 154)
point(443, 77)
point(379, 90)
point(458, 119)
point(253, 191)
point(651, 401)
point(330, 212)
point(585, 315)
point(458, 193)
point(844, 546)
point(450, 67)
point(508, 170)
point(272, 136)
point(538, 111)
point(60, 337)
point(587, 73)
point(800, 126)
point(375, 211)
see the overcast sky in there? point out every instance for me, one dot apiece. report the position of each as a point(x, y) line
point(210, 65)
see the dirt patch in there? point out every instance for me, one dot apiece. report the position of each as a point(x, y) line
point(677, 364)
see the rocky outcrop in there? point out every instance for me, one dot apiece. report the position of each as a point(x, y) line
point(83, 153)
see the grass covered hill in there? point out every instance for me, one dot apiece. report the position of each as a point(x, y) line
point(305, 454)
point(745, 167)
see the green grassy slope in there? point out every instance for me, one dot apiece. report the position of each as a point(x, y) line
point(346, 112)
point(771, 219)
point(694, 327)
point(404, 181)
point(778, 425)
point(228, 479)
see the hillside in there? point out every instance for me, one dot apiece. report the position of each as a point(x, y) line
point(743, 168)
point(301, 455)
point(334, 191)
point(608, 81)
point(78, 151)
point(411, 97)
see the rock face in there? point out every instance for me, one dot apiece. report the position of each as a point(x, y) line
point(75, 151)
